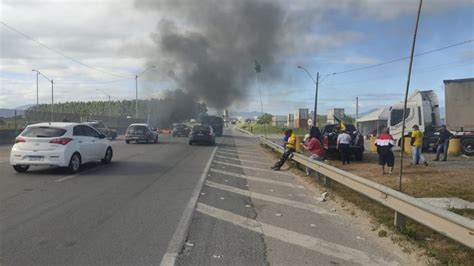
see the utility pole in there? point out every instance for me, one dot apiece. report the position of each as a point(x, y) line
point(52, 101)
point(357, 112)
point(406, 96)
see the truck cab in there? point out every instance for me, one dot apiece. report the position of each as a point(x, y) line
point(422, 110)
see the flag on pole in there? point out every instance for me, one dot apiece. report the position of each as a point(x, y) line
point(258, 68)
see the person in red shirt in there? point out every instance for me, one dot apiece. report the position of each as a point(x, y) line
point(384, 143)
point(313, 145)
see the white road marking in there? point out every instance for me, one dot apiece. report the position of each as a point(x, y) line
point(277, 200)
point(252, 168)
point(80, 173)
point(174, 247)
point(243, 156)
point(242, 160)
point(312, 243)
point(257, 179)
point(254, 152)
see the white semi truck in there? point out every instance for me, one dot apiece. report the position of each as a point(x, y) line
point(423, 110)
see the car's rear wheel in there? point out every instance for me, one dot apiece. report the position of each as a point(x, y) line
point(127, 141)
point(21, 168)
point(75, 163)
point(108, 156)
point(190, 143)
point(156, 140)
point(359, 155)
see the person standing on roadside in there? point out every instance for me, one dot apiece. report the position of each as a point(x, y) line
point(343, 146)
point(313, 145)
point(443, 143)
point(417, 145)
point(384, 143)
point(290, 148)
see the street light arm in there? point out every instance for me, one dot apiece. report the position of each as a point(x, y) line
point(321, 80)
point(143, 72)
point(307, 72)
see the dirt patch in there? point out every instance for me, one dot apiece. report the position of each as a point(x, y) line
point(453, 178)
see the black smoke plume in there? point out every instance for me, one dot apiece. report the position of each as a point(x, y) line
point(208, 47)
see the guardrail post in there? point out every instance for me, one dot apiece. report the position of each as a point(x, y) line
point(326, 181)
point(399, 221)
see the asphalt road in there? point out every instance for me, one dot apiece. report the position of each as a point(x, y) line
point(123, 213)
point(171, 203)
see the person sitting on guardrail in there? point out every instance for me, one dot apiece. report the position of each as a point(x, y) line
point(384, 143)
point(443, 143)
point(290, 147)
point(313, 145)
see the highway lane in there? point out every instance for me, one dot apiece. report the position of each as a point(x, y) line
point(122, 213)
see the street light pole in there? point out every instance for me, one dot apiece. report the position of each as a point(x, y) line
point(108, 103)
point(37, 95)
point(52, 100)
point(136, 96)
point(316, 81)
point(136, 88)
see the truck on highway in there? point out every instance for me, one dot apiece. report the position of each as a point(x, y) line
point(216, 122)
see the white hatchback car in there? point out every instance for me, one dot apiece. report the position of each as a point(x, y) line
point(59, 144)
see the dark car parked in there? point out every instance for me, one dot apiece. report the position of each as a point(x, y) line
point(141, 133)
point(202, 134)
point(329, 140)
point(180, 131)
point(102, 128)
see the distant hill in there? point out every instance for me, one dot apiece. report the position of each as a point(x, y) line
point(4, 112)
point(24, 107)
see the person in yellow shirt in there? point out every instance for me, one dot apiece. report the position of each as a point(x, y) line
point(417, 145)
point(290, 147)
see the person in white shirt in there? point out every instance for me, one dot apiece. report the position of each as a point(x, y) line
point(343, 145)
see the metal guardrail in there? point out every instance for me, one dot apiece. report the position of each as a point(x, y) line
point(454, 226)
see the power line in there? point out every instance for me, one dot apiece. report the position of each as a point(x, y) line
point(59, 53)
point(403, 58)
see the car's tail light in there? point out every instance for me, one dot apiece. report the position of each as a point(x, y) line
point(326, 142)
point(19, 140)
point(62, 141)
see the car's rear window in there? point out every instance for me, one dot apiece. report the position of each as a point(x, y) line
point(43, 132)
point(201, 128)
point(136, 129)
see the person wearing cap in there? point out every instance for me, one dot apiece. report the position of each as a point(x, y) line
point(313, 145)
point(290, 147)
point(417, 145)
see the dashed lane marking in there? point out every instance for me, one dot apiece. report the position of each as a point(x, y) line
point(312, 243)
point(174, 247)
point(241, 160)
point(277, 200)
point(257, 179)
point(252, 168)
point(251, 157)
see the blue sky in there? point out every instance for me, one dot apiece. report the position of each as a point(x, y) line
point(116, 38)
